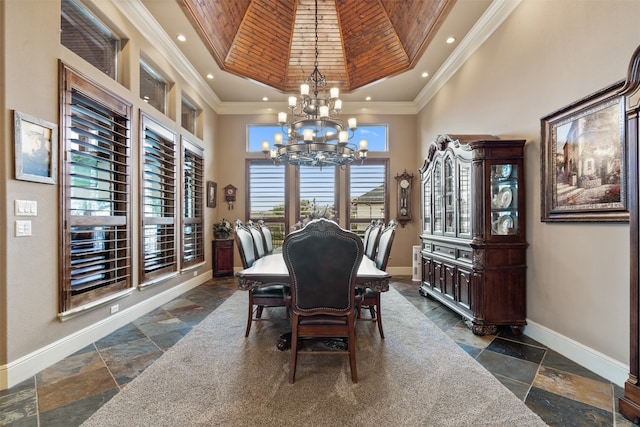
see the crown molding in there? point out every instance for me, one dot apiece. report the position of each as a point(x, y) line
point(272, 108)
point(148, 26)
point(488, 23)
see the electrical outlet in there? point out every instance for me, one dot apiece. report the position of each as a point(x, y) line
point(115, 308)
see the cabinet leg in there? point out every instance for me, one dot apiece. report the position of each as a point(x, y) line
point(517, 330)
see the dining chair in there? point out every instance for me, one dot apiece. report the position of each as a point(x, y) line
point(323, 261)
point(367, 232)
point(267, 236)
point(372, 240)
point(368, 297)
point(258, 239)
point(275, 295)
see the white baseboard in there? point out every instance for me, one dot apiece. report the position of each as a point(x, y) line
point(25, 367)
point(603, 365)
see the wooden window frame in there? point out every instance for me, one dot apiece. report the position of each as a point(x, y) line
point(168, 217)
point(102, 256)
point(192, 216)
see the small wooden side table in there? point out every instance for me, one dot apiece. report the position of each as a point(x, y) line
point(222, 257)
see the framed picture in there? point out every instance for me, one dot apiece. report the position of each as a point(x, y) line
point(212, 189)
point(584, 171)
point(36, 149)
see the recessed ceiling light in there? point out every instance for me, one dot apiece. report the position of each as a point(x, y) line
point(425, 74)
point(451, 40)
point(210, 76)
point(264, 98)
point(368, 98)
point(181, 38)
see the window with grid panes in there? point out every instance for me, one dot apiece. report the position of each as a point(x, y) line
point(158, 208)
point(267, 197)
point(94, 195)
point(153, 88)
point(367, 193)
point(89, 38)
point(317, 192)
point(192, 204)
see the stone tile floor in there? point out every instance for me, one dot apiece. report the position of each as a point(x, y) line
point(65, 394)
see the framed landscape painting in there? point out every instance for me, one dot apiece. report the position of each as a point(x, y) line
point(584, 171)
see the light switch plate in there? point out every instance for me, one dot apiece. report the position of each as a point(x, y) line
point(23, 228)
point(26, 208)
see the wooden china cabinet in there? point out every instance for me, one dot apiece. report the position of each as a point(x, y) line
point(473, 221)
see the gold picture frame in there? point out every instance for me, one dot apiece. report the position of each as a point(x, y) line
point(584, 167)
point(36, 149)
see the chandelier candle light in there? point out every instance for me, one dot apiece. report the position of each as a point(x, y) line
point(315, 136)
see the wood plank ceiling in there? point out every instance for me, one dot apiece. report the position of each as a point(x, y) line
point(359, 41)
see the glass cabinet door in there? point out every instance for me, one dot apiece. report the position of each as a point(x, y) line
point(437, 198)
point(427, 205)
point(504, 199)
point(464, 199)
point(449, 196)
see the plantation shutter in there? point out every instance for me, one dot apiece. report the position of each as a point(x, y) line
point(267, 197)
point(368, 193)
point(193, 205)
point(317, 192)
point(95, 195)
point(159, 249)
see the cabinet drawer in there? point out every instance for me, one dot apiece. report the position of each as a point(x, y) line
point(465, 255)
point(444, 250)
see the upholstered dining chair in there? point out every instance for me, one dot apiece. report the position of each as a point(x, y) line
point(372, 240)
point(367, 232)
point(258, 239)
point(368, 297)
point(267, 235)
point(323, 261)
point(267, 296)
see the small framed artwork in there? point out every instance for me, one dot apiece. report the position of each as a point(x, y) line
point(584, 171)
point(212, 189)
point(36, 149)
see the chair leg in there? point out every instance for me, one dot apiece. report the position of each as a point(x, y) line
point(259, 311)
point(352, 354)
point(250, 318)
point(293, 359)
point(379, 314)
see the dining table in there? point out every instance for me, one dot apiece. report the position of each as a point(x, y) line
point(271, 269)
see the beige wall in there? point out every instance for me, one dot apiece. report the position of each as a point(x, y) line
point(29, 285)
point(546, 55)
point(402, 143)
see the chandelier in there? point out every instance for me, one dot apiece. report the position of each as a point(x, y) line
point(315, 136)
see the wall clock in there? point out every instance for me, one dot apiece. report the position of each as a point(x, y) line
point(405, 181)
point(230, 195)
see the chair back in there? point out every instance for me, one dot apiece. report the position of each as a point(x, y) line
point(244, 241)
point(268, 237)
point(384, 246)
point(258, 239)
point(323, 261)
point(367, 232)
point(372, 241)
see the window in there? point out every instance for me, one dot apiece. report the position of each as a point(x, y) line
point(376, 136)
point(153, 88)
point(189, 116)
point(158, 190)
point(259, 133)
point(317, 192)
point(95, 195)
point(267, 197)
point(192, 204)
point(86, 36)
point(367, 193)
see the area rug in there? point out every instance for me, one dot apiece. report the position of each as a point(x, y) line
point(215, 376)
